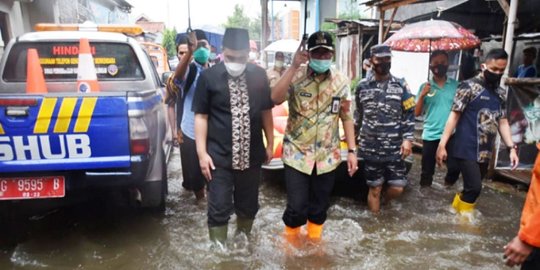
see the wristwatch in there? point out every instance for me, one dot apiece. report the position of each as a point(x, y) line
point(515, 147)
point(352, 151)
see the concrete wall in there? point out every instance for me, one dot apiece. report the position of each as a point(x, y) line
point(15, 25)
point(40, 11)
point(318, 10)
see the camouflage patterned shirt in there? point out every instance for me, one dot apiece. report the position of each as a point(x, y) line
point(480, 108)
point(315, 108)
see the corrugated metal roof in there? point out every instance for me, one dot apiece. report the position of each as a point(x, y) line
point(386, 3)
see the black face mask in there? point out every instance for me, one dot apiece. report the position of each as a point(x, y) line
point(492, 79)
point(382, 68)
point(439, 70)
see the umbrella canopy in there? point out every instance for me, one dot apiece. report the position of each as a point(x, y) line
point(283, 45)
point(432, 35)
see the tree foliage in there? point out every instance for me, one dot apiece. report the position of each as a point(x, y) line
point(351, 11)
point(169, 41)
point(240, 19)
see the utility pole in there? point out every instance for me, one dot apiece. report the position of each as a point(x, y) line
point(264, 22)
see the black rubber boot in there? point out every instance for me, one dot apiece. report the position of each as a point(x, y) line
point(218, 234)
point(244, 225)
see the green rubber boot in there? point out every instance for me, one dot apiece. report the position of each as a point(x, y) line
point(218, 234)
point(244, 225)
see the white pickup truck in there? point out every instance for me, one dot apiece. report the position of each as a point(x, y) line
point(63, 144)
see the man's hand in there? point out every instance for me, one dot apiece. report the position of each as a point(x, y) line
point(425, 89)
point(352, 163)
point(301, 56)
point(441, 155)
point(207, 166)
point(179, 136)
point(516, 251)
point(514, 159)
point(269, 154)
point(406, 149)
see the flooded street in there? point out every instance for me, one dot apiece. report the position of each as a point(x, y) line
point(419, 231)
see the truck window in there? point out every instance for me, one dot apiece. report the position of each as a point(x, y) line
point(113, 61)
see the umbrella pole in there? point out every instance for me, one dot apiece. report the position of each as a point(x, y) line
point(431, 91)
point(189, 18)
point(429, 57)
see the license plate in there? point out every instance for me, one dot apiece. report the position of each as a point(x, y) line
point(18, 188)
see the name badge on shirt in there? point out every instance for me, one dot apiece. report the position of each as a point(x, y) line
point(335, 105)
point(484, 97)
point(305, 94)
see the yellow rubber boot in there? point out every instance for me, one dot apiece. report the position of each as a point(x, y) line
point(314, 230)
point(461, 206)
point(292, 235)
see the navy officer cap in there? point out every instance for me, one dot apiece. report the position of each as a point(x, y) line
point(381, 50)
point(320, 39)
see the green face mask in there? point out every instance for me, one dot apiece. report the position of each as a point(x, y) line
point(320, 65)
point(201, 55)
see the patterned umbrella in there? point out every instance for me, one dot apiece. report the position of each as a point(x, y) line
point(427, 36)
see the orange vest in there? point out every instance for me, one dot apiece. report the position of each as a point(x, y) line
point(529, 231)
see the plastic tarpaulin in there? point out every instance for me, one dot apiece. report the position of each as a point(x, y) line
point(523, 110)
point(215, 39)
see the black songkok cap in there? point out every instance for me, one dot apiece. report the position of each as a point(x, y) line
point(236, 39)
point(200, 34)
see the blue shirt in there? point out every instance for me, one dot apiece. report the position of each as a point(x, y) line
point(437, 108)
point(481, 109)
point(188, 119)
point(525, 71)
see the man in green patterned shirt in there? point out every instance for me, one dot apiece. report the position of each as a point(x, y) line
point(318, 96)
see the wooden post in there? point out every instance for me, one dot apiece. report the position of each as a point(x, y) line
point(390, 23)
point(381, 25)
point(509, 37)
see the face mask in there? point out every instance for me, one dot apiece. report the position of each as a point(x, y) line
point(252, 56)
point(492, 79)
point(201, 55)
point(235, 69)
point(382, 68)
point(278, 64)
point(439, 70)
point(320, 65)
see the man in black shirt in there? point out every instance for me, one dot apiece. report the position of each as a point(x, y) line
point(232, 106)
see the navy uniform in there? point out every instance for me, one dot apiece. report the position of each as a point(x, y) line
point(386, 118)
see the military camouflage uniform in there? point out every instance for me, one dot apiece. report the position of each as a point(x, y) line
point(385, 112)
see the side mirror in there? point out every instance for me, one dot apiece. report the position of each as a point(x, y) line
point(165, 77)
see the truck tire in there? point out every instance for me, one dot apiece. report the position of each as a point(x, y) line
point(154, 194)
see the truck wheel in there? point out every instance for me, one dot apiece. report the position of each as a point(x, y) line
point(154, 194)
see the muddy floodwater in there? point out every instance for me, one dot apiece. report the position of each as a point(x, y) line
point(419, 231)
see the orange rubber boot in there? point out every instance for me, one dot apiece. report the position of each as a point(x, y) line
point(292, 235)
point(314, 230)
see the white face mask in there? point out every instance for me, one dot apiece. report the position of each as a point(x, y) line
point(278, 64)
point(235, 69)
